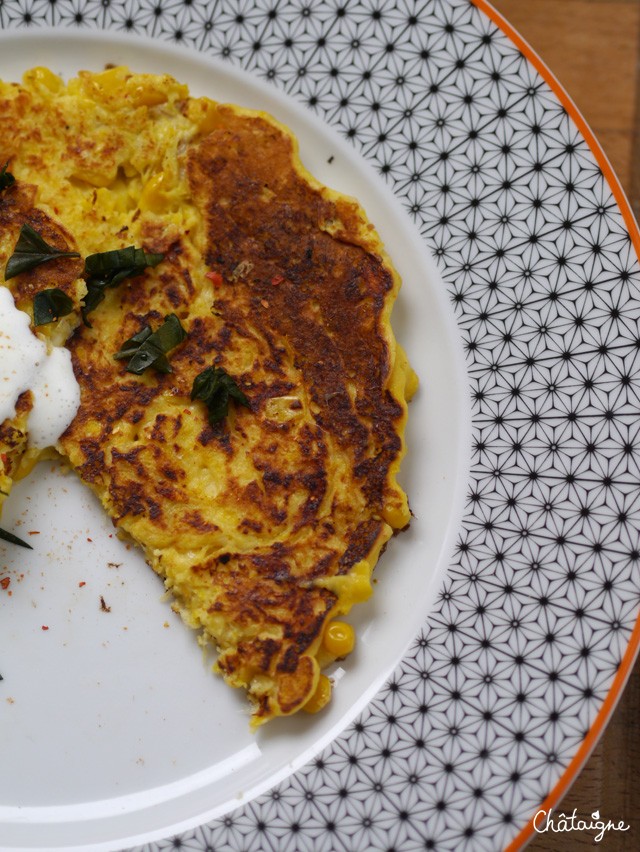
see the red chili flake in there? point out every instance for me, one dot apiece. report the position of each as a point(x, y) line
point(215, 277)
point(44, 627)
point(5, 458)
point(34, 532)
point(277, 279)
point(5, 582)
point(82, 583)
point(90, 539)
point(264, 303)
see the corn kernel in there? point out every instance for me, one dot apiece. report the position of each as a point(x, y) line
point(339, 638)
point(29, 460)
point(321, 695)
point(109, 81)
point(395, 510)
point(153, 196)
point(411, 384)
point(42, 78)
point(142, 94)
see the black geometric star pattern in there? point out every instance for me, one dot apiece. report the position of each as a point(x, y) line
point(508, 673)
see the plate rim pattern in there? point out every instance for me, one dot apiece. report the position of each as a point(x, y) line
point(454, 33)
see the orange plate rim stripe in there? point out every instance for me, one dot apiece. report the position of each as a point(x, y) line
point(597, 728)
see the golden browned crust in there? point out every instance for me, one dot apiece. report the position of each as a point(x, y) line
point(322, 294)
point(267, 525)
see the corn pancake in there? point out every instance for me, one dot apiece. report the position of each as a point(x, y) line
point(265, 526)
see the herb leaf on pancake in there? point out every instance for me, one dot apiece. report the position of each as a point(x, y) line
point(31, 250)
point(50, 305)
point(149, 348)
point(215, 388)
point(110, 268)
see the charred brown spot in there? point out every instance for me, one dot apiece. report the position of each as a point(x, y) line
point(194, 519)
point(289, 660)
point(361, 541)
point(92, 467)
point(173, 473)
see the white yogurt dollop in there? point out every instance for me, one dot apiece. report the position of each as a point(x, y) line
point(25, 365)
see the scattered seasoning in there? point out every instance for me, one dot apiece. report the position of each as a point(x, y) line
point(44, 627)
point(264, 303)
point(277, 279)
point(30, 251)
point(82, 583)
point(215, 387)
point(103, 605)
point(114, 564)
point(330, 160)
point(6, 178)
point(5, 582)
point(215, 277)
point(50, 305)
point(149, 348)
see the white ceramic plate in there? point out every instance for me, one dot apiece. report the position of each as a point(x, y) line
point(118, 726)
point(501, 631)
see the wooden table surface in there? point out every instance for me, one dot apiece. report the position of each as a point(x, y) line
point(593, 49)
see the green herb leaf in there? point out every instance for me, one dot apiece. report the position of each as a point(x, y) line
point(149, 348)
point(6, 178)
point(50, 305)
point(94, 295)
point(110, 268)
point(215, 387)
point(30, 251)
point(131, 346)
point(13, 539)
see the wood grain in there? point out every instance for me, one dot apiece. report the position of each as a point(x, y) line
point(593, 49)
point(591, 46)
